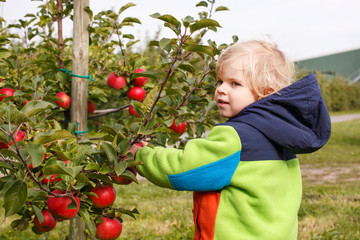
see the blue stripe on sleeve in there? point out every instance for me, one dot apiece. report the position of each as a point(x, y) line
point(210, 177)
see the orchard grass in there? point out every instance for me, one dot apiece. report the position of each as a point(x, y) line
point(330, 207)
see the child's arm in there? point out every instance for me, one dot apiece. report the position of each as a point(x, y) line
point(203, 165)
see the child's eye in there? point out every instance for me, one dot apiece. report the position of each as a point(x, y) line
point(236, 84)
point(219, 83)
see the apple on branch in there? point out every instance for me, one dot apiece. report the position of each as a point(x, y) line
point(108, 229)
point(65, 100)
point(90, 107)
point(140, 81)
point(106, 196)
point(116, 82)
point(136, 93)
point(132, 111)
point(59, 205)
point(8, 92)
point(47, 224)
point(180, 128)
point(124, 180)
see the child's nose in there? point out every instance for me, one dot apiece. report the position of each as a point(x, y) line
point(221, 89)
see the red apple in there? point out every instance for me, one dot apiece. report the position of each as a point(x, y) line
point(140, 81)
point(58, 205)
point(105, 196)
point(66, 100)
point(116, 82)
point(180, 128)
point(132, 111)
point(90, 107)
point(124, 180)
point(3, 145)
point(136, 93)
point(109, 229)
point(8, 92)
point(47, 224)
point(19, 136)
point(53, 178)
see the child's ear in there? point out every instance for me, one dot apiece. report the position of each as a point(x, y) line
point(269, 91)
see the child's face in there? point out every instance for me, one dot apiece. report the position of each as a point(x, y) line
point(232, 94)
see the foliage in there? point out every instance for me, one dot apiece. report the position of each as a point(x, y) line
point(35, 60)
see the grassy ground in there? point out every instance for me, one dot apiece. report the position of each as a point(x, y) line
point(330, 209)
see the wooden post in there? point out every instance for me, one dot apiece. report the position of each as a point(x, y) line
point(79, 89)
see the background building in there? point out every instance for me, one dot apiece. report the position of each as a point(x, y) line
point(345, 64)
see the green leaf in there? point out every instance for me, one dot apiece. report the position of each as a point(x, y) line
point(131, 20)
point(15, 197)
point(123, 146)
point(203, 23)
point(61, 170)
point(187, 20)
point(52, 135)
point(101, 177)
point(38, 213)
point(200, 49)
point(128, 5)
point(34, 107)
point(109, 151)
point(36, 152)
point(202, 4)
point(145, 74)
point(92, 166)
point(150, 97)
point(221, 8)
point(187, 67)
point(164, 42)
point(21, 117)
point(4, 53)
point(167, 18)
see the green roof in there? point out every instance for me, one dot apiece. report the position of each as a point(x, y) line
point(346, 64)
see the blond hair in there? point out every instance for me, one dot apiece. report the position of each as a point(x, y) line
point(265, 68)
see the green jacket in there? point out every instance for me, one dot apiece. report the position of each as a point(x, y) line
point(245, 175)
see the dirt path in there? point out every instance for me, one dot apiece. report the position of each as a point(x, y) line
point(346, 117)
point(320, 175)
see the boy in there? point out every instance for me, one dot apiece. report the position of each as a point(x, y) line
point(245, 175)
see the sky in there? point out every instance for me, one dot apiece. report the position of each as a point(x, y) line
point(301, 28)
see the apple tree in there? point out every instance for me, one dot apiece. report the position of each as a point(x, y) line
point(49, 171)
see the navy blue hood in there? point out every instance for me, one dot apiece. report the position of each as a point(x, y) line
point(296, 118)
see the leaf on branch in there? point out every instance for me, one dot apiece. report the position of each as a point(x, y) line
point(150, 98)
point(202, 4)
point(4, 53)
point(36, 152)
point(167, 18)
point(203, 23)
point(101, 177)
point(128, 5)
point(61, 170)
point(51, 136)
point(109, 151)
point(221, 8)
point(130, 20)
point(187, 20)
point(34, 107)
point(15, 197)
point(187, 67)
point(200, 49)
point(38, 213)
point(145, 74)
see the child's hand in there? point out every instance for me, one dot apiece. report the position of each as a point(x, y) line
point(134, 148)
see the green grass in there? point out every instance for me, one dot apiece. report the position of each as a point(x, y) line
point(330, 209)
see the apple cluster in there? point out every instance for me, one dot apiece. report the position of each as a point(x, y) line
point(136, 92)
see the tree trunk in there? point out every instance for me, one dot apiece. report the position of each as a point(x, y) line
point(79, 89)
